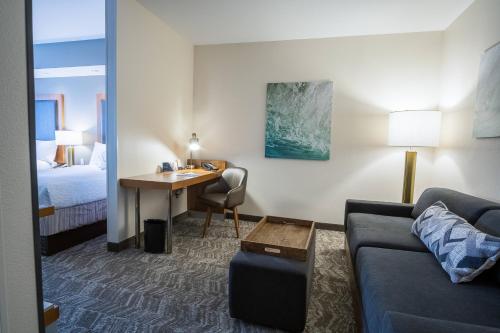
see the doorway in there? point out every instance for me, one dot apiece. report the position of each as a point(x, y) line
point(68, 75)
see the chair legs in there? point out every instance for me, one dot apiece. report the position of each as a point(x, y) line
point(208, 220)
point(236, 222)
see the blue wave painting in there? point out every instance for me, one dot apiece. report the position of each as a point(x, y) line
point(487, 122)
point(298, 123)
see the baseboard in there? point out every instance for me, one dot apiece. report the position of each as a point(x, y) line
point(180, 216)
point(130, 242)
point(245, 217)
point(124, 244)
point(330, 226)
point(319, 225)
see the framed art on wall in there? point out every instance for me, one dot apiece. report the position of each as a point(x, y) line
point(487, 122)
point(298, 120)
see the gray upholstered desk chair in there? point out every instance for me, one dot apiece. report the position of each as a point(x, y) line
point(227, 193)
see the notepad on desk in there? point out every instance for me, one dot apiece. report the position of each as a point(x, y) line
point(187, 174)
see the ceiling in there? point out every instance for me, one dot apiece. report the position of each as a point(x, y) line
point(67, 20)
point(237, 21)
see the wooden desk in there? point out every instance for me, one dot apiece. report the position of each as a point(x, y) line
point(169, 181)
point(193, 192)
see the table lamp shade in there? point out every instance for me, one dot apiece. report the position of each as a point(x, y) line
point(414, 128)
point(69, 138)
point(194, 143)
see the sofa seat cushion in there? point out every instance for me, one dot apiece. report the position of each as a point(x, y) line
point(381, 231)
point(397, 322)
point(414, 283)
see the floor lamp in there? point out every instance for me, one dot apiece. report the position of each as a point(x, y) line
point(413, 129)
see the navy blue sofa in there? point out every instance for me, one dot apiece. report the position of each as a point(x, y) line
point(401, 287)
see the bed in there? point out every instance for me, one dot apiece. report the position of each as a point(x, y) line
point(77, 194)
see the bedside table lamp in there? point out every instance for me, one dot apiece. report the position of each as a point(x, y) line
point(413, 129)
point(194, 145)
point(69, 139)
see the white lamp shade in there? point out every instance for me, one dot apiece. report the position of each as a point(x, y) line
point(69, 138)
point(414, 128)
point(194, 146)
point(194, 143)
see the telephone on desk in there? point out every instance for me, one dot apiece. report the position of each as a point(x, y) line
point(166, 167)
point(209, 166)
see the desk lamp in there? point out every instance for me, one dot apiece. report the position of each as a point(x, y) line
point(194, 145)
point(69, 139)
point(413, 129)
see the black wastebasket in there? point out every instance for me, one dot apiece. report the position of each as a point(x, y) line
point(154, 236)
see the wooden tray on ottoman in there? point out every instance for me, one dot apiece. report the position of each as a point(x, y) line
point(280, 237)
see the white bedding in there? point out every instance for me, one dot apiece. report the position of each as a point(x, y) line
point(67, 187)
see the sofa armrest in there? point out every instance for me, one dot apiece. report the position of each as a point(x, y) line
point(397, 322)
point(376, 207)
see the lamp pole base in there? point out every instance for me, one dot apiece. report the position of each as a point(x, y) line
point(409, 176)
point(190, 163)
point(71, 155)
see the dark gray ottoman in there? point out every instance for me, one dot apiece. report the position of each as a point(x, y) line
point(271, 291)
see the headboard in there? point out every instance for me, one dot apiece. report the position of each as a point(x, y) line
point(101, 117)
point(49, 117)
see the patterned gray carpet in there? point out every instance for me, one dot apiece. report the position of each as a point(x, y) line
point(132, 291)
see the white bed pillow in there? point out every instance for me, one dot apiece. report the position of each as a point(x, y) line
point(42, 165)
point(46, 151)
point(98, 158)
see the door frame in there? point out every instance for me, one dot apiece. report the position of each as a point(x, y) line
point(30, 80)
point(111, 151)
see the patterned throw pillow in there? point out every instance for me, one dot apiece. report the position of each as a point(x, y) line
point(463, 251)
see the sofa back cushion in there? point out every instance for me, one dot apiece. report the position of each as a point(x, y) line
point(489, 223)
point(466, 206)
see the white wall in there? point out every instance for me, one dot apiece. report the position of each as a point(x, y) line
point(18, 308)
point(463, 162)
point(372, 76)
point(154, 108)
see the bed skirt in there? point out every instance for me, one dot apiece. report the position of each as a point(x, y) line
point(74, 217)
point(64, 240)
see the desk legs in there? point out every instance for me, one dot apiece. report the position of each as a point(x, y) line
point(168, 248)
point(137, 218)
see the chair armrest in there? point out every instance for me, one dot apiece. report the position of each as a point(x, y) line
point(376, 207)
point(235, 197)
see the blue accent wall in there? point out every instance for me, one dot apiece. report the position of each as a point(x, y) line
point(80, 93)
point(70, 54)
point(46, 119)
